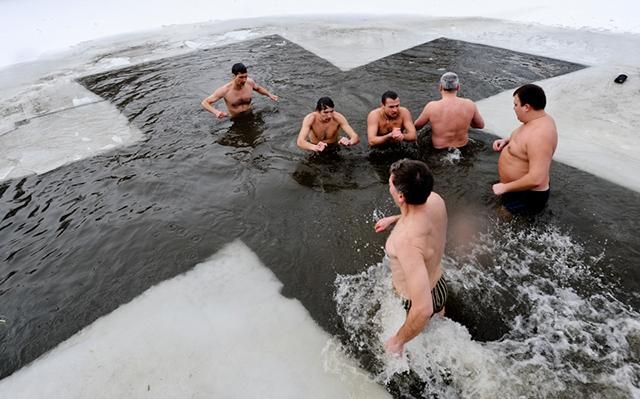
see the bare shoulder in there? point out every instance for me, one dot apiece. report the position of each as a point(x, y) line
point(309, 118)
point(374, 115)
point(437, 206)
point(468, 102)
point(405, 112)
point(337, 116)
point(435, 199)
point(224, 89)
point(252, 83)
point(544, 128)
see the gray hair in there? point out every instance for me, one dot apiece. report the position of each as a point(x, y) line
point(449, 81)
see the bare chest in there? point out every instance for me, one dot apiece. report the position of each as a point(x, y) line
point(324, 131)
point(386, 125)
point(238, 97)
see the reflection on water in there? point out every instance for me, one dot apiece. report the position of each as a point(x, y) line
point(245, 131)
point(83, 239)
point(333, 169)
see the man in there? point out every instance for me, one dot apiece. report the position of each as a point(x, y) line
point(320, 128)
point(236, 94)
point(390, 123)
point(415, 247)
point(526, 155)
point(450, 117)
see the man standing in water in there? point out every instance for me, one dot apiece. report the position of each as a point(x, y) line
point(236, 94)
point(320, 128)
point(415, 247)
point(451, 117)
point(526, 155)
point(390, 123)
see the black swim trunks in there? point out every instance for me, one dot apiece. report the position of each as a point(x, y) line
point(438, 296)
point(525, 202)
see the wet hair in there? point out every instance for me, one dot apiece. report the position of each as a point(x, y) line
point(533, 95)
point(238, 68)
point(324, 103)
point(449, 81)
point(412, 179)
point(389, 94)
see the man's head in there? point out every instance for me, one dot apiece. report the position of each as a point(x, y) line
point(449, 82)
point(238, 68)
point(391, 104)
point(240, 73)
point(531, 95)
point(325, 108)
point(526, 98)
point(410, 182)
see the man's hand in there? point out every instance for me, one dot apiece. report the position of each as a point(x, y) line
point(320, 146)
point(396, 134)
point(499, 188)
point(394, 346)
point(344, 141)
point(384, 223)
point(221, 115)
point(274, 98)
point(498, 145)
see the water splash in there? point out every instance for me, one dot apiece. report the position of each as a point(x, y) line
point(567, 335)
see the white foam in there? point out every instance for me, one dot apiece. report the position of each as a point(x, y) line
point(221, 330)
point(563, 341)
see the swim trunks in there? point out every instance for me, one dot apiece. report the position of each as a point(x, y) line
point(438, 296)
point(525, 202)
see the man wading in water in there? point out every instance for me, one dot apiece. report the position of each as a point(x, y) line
point(415, 247)
point(236, 94)
point(525, 156)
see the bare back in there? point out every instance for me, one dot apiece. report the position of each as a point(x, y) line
point(450, 120)
point(530, 149)
point(425, 229)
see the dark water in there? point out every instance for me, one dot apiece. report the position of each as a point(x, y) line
point(81, 240)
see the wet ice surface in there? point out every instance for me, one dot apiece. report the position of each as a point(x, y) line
point(221, 330)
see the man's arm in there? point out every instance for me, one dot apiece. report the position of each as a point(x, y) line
point(424, 117)
point(372, 130)
point(418, 285)
point(409, 128)
point(477, 121)
point(262, 90)
point(304, 134)
point(539, 154)
point(208, 102)
point(353, 136)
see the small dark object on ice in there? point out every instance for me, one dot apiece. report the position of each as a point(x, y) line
point(621, 78)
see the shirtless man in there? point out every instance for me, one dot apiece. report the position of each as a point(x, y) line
point(415, 248)
point(390, 122)
point(236, 94)
point(451, 116)
point(320, 128)
point(525, 159)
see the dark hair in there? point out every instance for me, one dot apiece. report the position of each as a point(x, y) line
point(412, 179)
point(324, 103)
point(533, 95)
point(389, 94)
point(238, 68)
